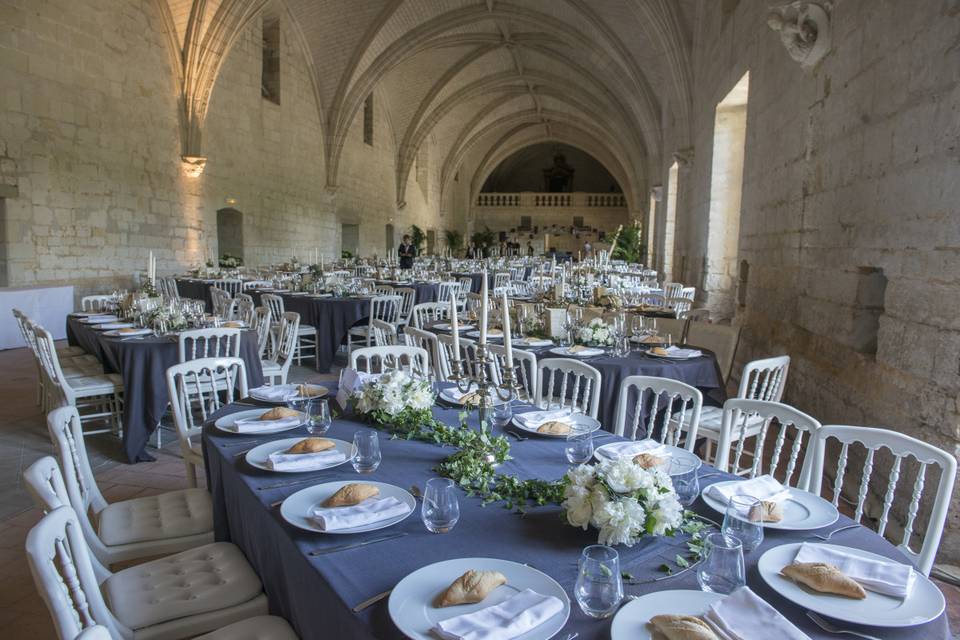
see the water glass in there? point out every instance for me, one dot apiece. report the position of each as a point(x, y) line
point(318, 416)
point(441, 510)
point(503, 413)
point(599, 586)
point(366, 452)
point(738, 524)
point(579, 447)
point(686, 481)
point(721, 570)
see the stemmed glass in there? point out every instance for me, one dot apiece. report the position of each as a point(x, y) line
point(366, 452)
point(599, 586)
point(743, 520)
point(441, 510)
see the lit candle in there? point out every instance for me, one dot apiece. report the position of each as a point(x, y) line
point(321, 262)
point(506, 332)
point(455, 326)
point(483, 309)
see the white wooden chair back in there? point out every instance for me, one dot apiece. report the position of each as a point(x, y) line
point(447, 289)
point(565, 382)
point(45, 484)
point(525, 370)
point(56, 383)
point(679, 305)
point(901, 447)
point(447, 356)
point(172, 290)
point(474, 302)
point(408, 296)
point(672, 289)
point(653, 299)
point(723, 340)
point(466, 286)
point(384, 333)
point(286, 342)
point(222, 342)
point(62, 569)
point(275, 304)
point(426, 313)
point(795, 429)
point(233, 287)
point(427, 340)
point(221, 301)
point(96, 304)
point(501, 280)
point(690, 293)
point(413, 360)
point(385, 308)
point(261, 323)
point(520, 288)
point(671, 407)
point(382, 289)
point(245, 311)
point(764, 379)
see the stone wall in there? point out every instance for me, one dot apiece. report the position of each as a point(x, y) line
point(849, 169)
point(90, 155)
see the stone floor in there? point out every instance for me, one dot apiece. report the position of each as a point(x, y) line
point(23, 439)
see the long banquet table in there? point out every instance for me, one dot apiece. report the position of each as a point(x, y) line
point(143, 363)
point(316, 594)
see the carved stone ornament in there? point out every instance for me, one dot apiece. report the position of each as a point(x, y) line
point(193, 166)
point(804, 28)
point(657, 193)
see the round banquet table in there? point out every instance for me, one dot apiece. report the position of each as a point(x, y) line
point(316, 593)
point(143, 364)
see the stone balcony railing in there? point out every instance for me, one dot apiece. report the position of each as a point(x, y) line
point(577, 199)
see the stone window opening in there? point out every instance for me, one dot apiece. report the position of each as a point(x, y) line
point(270, 75)
point(368, 120)
point(230, 233)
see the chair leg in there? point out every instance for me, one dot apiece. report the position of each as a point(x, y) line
point(191, 475)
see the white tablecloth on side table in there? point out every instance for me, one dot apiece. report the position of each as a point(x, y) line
point(48, 306)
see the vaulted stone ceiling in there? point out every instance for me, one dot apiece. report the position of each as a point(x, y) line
point(479, 78)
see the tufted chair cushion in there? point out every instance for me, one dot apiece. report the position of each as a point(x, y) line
point(259, 628)
point(209, 578)
point(169, 515)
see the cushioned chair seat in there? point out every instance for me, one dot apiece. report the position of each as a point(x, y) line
point(97, 384)
point(259, 628)
point(359, 331)
point(169, 515)
point(270, 368)
point(199, 581)
point(306, 330)
point(711, 419)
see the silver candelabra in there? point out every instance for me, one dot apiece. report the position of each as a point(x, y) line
point(487, 387)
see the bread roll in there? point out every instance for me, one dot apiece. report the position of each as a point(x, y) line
point(554, 428)
point(824, 578)
point(311, 445)
point(310, 391)
point(278, 413)
point(659, 351)
point(677, 627)
point(767, 511)
point(577, 348)
point(470, 588)
point(648, 460)
point(351, 494)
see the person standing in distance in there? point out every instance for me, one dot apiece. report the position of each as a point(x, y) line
point(407, 252)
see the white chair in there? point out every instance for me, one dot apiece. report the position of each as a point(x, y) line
point(245, 310)
point(579, 385)
point(901, 448)
point(384, 333)
point(190, 593)
point(306, 342)
point(427, 313)
point(122, 531)
point(97, 304)
point(100, 395)
point(414, 360)
point(657, 398)
point(173, 290)
point(258, 628)
point(696, 315)
point(381, 289)
point(653, 299)
point(679, 305)
point(276, 368)
point(223, 342)
point(447, 289)
point(222, 302)
point(408, 297)
point(690, 293)
point(74, 360)
point(427, 341)
point(446, 354)
point(198, 388)
point(525, 369)
point(386, 308)
point(761, 380)
point(722, 339)
point(501, 280)
point(739, 413)
point(672, 289)
point(260, 322)
point(233, 287)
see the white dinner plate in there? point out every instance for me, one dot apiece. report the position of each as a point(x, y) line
point(565, 352)
point(83, 314)
point(492, 334)
point(99, 319)
point(632, 620)
point(671, 356)
point(259, 456)
point(115, 333)
point(924, 603)
point(579, 420)
point(290, 391)
point(606, 453)
point(445, 326)
point(411, 602)
point(115, 325)
point(447, 396)
point(802, 511)
point(224, 423)
point(298, 293)
point(297, 508)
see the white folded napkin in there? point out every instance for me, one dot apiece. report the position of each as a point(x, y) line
point(455, 394)
point(881, 576)
point(677, 352)
point(534, 419)
point(585, 353)
point(258, 426)
point(101, 319)
point(631, 449)
point(276, 393)
point(535, 342)
point(280, 461)
point(513, 617)
point(763, 487)
point(743, 615)
point(367, 512)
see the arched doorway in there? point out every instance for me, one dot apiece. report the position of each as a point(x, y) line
point(230, 232)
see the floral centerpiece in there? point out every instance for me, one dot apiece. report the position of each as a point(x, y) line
point(597, 333)
point(395, 397)
point(623, 500)
point(228, 261)
point(166, 318)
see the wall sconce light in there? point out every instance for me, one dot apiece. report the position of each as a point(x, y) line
point(193, 166)
point(231, 201)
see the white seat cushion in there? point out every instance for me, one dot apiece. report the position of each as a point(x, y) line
point(209, 578)
point(306, 330)
point(259, 628)
point(359, 331)
point(711, 420)
point(97, 385)
point(269, 367)
point(175, 514)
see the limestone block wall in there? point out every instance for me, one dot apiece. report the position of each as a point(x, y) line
point(850, 180)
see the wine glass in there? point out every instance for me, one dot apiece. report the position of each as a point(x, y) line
point(721, 570)
point(599, 586)
point(743, 520)
point(366, 452)
point(441, 509)
point(318, 416)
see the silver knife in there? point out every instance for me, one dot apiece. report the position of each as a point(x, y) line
point(290, 483)
point(371, 601)
point(356, 545)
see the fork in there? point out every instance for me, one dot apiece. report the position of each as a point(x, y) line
point(516, 436)
point(826, 626)
point(830, 535)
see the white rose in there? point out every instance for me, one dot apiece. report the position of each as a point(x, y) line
point(582, 475)
point(599, 502)
point(577, 506)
